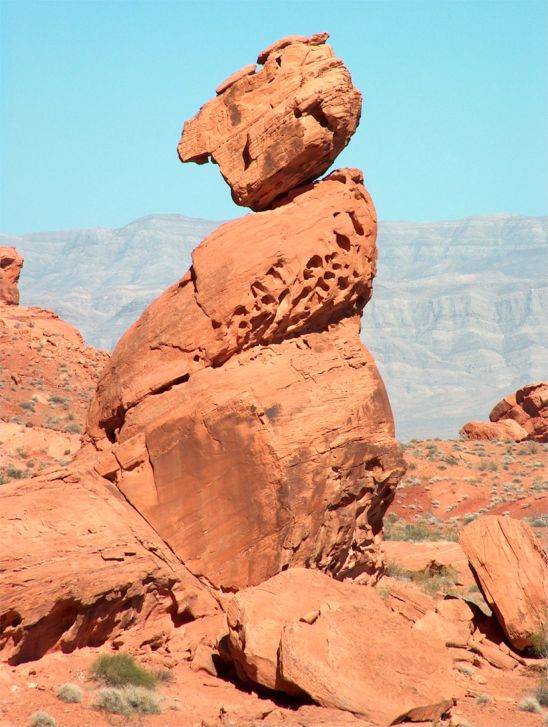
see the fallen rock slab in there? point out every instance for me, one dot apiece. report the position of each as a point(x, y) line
point(79, 567)
point(301, 632)
point(511, 567)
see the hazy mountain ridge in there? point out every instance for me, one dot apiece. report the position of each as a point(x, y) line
point(457, 320)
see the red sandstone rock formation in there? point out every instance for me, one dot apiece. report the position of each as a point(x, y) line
point(47, 373)
point(247, 381)
point(272, 130)
point(10, 269)
point(512, 569)
point(339, 643)
point(78, 567)
point(523, 415)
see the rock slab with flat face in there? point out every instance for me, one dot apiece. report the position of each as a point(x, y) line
point(10, 270)
point(247, 422)
point(512, 570)
point(303, 632)
point(274, 129)
point(79, 567)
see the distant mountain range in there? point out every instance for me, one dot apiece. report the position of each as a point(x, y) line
point(457, 320)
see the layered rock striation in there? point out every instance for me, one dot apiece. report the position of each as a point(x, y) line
point(241, 415)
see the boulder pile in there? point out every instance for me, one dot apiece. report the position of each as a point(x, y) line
point(520, 416)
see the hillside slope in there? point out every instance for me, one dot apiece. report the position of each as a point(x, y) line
point(457, 320)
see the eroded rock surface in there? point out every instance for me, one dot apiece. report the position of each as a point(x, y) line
point(10, 269)
point(302, 632)
point(512, 569)
point(272, 130)
point(247, 381)
point(79, 567)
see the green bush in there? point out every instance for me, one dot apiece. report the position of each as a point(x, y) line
point(118, 670)
point(70, 693)
point(42, 719)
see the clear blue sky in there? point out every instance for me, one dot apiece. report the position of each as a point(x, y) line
point(93, 96)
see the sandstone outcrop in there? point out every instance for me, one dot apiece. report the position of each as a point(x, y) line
point(275, 129)
point(47, 373)
point(10, 270)
point(302, 632)
point(512, 570)
point(240, 429)
point(520, 416)
point(247, 381)
point(79, 567)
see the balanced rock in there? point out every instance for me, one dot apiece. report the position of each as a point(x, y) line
point(512, 570)
point(10, 270)
point(274, 129)
point(246, 420)
point(301, 632)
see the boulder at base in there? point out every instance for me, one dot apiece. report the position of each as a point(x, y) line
point(302, 632)
point(512, 570)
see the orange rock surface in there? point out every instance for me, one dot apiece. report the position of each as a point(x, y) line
point(10, 269)
point(264, 398)
point(79, 567)
point(523, 415)
point(512, 569)
point(340, 644)
point(272, 130)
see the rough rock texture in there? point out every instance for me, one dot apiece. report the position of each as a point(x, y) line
point(10, 269)
point(505, 429)
point(512, 569)
point(523, 415)
point(79, 567)
point(47, 374)
point(529, 408)
point(257, 434)
point(430, 557)
point(302, 632)
point(272, 130)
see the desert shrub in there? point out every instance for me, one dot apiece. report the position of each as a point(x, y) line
point(15, 474)
point(163, 676)
point(128, 700)
point(483, 699)
point(540, 642)
point(541, 692)
point(118, 670)
point(112, 700)
point(42, 719)
point(529, 704)
point(142, 700)
point(70, 693)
